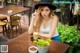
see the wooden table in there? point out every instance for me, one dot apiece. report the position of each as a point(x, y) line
point(21, 44)
point(15, 10)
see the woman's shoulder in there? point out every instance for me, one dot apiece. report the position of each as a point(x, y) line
point(54, 20)
point(54, 17)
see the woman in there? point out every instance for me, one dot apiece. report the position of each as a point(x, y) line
point(44, 22)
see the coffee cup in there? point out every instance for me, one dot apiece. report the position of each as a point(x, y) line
point(35, 35)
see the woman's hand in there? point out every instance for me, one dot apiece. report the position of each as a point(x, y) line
point(35, 15)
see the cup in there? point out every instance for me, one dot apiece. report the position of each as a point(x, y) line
point(9, 11)
point(35, 35)
point(33, 49)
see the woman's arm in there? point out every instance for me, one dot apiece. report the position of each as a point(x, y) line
point(30, 29)
point(33, 22)
point(54, 24)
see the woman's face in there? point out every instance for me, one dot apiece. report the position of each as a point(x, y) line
point(45, 11)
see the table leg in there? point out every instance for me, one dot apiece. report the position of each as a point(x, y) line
point(29, 14)
point(11, 30)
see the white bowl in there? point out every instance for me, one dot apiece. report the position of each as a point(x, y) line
point(33, 51)
point(9, 11)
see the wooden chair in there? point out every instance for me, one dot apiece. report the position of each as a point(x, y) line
point(15, 24)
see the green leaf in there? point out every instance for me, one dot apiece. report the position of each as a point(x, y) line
point(43, 43)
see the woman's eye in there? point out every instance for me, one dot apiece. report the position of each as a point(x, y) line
point(47, 10)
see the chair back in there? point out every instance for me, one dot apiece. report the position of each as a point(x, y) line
point(15, 18)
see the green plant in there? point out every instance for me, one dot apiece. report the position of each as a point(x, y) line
point(43, 43)
point(69, 35)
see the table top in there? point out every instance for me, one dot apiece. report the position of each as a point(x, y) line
point(21, 44)
point(15, 9)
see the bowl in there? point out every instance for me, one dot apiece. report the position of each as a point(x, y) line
point(33, 49)
point(9, 11)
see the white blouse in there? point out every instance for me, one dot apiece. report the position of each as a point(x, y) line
point(47, 30)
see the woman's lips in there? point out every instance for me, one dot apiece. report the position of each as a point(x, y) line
point(44, 15)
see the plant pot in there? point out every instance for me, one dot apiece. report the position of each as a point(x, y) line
point(42, 49)
point(33, 49)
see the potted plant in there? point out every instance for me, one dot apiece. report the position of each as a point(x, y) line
point(43, 45)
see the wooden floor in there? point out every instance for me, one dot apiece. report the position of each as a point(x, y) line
point(24, 25)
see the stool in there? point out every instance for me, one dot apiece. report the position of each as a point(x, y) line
point(3, 18)
point(3, 24)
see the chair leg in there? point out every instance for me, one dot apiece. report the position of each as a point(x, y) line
point(12, 32)
point(9, 31)
point(20, 29)
point(6, 31)
point(3, 30)
point(16, 30)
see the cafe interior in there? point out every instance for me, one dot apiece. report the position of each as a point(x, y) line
point(15, 17)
